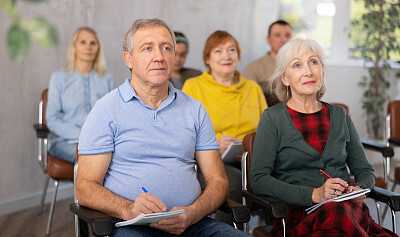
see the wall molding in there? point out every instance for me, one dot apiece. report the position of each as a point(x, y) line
point(30, 200)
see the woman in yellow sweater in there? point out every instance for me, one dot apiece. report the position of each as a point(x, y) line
point(234, 103)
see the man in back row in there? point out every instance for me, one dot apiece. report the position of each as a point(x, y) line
point(260, 70)
point(145, 134)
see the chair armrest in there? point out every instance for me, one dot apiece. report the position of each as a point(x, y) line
point(41, 130)
point(277, 208)
point(238, 212)
point(394, 141)
point(99, 222)
point(390, 198)
point(386, 151)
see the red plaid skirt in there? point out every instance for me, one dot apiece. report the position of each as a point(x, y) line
point(331, 219)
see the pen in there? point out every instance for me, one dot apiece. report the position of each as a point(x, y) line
point(223, 133)
point(144, 190)
point(327, 175)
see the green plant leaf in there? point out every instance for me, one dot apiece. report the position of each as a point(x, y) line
point(17, 43)
point(34, 0)
point(41, 31)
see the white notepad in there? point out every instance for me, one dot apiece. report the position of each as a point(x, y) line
point(144, 219)
point(234, 149)
point(340, 198)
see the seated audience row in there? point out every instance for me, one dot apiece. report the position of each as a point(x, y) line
point(140, 143)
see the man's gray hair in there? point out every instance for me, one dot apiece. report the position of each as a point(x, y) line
point(144, 23)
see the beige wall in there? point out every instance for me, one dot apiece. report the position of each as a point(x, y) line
point(21, 179)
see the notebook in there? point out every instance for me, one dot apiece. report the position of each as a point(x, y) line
point(144, 219)
point(340, 198)
point(234, 149)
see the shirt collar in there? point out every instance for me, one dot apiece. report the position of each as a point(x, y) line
point(82, 75)
point(233, 87)
point(127, 92)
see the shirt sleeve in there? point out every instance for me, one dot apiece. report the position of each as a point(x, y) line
point(206, 139)
point(357, 160)
point(97, 134)
point(262, 100)
point(248, 73)
point(55, 114)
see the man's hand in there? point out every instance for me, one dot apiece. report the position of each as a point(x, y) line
point(176, 225)
point(225, 141)
point(145, 203)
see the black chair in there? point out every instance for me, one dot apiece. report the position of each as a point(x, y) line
point(54, 167)
point(392, 138)
point(89, 221)
point(279, 210)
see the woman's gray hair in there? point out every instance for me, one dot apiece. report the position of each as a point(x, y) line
point(285, 55)
point(144, 23)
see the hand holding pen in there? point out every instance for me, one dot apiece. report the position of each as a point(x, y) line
point(225, 141)
point(332, 187)
point(146, 203)
point(327, 175)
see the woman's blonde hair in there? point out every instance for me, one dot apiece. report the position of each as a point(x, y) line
point(99, 64)
point(284, 57)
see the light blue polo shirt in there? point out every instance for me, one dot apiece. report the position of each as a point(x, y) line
point(153, 148)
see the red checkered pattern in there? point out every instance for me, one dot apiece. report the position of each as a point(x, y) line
point(314, 127)
point(346, 219)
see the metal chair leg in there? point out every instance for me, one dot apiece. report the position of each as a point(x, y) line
point(386, 207)
point(51, 212)
point(394, 223)
point(378, 212)
point(46, 184)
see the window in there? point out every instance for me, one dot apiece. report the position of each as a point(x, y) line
point(328, 22)
point(311, 19)
point(356, 33)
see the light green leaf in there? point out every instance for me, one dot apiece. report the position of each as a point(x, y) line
point(41, 31)
point(17, 43)
point(34, 0)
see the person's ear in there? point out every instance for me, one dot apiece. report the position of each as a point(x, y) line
point(127, 57)
point(284, 81)
point(267, 39)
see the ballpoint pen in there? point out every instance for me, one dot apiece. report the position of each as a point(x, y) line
point(327, 175)
point(144, 190)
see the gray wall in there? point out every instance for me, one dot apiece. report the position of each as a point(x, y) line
point(21, 179)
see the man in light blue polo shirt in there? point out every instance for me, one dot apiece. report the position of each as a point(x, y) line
point(145, 134)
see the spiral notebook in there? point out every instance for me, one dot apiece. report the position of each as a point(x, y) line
point(234, 149)
point(340, 198)
point(144, 219)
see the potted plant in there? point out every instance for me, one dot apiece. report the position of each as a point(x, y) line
point(379, 25)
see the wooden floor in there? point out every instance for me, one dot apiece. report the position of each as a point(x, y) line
point(30, 223)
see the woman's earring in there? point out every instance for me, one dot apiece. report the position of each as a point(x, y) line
point(287, 92)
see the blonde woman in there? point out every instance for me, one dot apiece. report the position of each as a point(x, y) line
point(74, 90)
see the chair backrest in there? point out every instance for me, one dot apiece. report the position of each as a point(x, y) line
point(44, 106)
point(247, 149)
point(344, 106)
point(393, 110)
